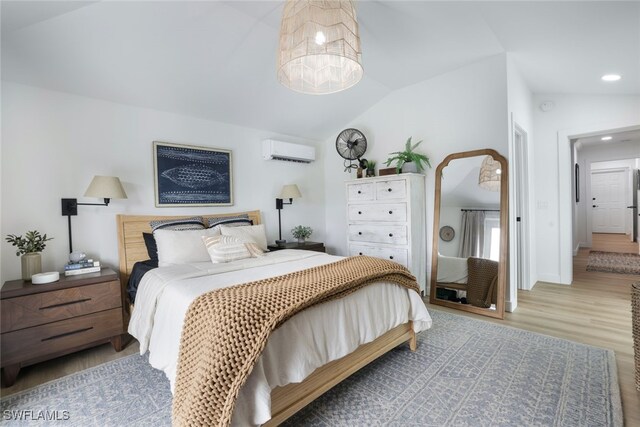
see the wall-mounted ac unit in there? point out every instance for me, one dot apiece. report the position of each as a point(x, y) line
point(279, 150)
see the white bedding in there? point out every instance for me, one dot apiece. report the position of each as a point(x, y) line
point(452, 269)
point(305, 342)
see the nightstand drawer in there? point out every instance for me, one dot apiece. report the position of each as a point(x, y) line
point(60, 336)
point(46, 307)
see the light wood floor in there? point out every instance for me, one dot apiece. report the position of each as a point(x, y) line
point(594, 310)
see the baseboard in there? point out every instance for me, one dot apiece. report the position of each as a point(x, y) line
point(510, 306)
point(575, 251)
point(555, 279)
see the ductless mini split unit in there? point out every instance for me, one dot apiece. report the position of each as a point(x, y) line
point(287, 151)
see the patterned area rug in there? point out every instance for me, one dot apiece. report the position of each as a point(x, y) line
point(613, 262)
point(466, 372)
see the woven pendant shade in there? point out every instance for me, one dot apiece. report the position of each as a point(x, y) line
point(489, 177)
point(319, 46)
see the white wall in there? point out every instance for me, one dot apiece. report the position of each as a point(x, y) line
point(53, 144)
point(572, 115)
point(458, 111)
point(519, 102)
point(451, 216)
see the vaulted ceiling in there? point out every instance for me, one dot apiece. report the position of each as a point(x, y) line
point(216, 60)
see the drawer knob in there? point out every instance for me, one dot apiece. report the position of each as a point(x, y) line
point(390, 212)
point(359, 192)
point(359, 212)
point(391, 257)
point(389, 190)
point(359, 233)
point(360, 253)
point(390, 234)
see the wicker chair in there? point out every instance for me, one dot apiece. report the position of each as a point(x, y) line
point(482, 282)
point(635, 321)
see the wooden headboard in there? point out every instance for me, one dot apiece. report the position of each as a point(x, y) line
point(131, 247)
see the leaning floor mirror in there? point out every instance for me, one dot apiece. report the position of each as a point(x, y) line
point(469, 264)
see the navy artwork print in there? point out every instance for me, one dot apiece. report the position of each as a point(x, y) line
point(188, 175)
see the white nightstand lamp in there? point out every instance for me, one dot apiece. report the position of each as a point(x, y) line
point(102, 187)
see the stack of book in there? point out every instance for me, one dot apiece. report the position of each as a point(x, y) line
point(82, 267)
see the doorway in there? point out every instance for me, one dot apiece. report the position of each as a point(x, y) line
point(521, 184)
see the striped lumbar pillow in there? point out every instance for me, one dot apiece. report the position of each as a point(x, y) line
point(230, 248)
point(193, 223)
point(229, 221)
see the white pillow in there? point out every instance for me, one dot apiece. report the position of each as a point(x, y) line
point(182, 247)
point(230, 248)
point(253, 232)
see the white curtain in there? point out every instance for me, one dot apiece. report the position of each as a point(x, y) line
point(472, 237)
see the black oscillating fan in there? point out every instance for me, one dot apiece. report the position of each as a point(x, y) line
point(351, 145)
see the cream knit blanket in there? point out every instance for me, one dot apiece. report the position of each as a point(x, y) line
point(225, 330)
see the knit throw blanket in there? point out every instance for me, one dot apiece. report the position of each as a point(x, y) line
point(226, 330)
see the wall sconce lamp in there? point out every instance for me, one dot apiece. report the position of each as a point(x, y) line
point(288, 192)
point(103, 187)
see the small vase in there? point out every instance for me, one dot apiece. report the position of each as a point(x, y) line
point(301, 240)
point(409, 167)
point(31, 264)
point(371, 172)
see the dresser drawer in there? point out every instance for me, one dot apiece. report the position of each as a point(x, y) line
point(391, 190)
point(394, 234)
point(392, 212)
point(60, 336)
point(360, 192)
point(398, 255)
point(46, 307)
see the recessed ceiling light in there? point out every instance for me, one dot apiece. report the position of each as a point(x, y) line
point(606, 138)
point(611, 77)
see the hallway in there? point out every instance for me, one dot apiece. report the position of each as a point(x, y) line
point(613, 243)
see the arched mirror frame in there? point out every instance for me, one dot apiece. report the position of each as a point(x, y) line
point(504, 235)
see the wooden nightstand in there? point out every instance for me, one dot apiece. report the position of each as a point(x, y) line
point(307, 246)
point(41, 322)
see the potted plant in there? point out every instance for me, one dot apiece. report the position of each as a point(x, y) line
point(371, 168)
point(29, 247)
point(408, 160)
point(301, 233)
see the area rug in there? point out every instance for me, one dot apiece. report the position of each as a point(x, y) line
point(613, 262)
point(466, 372)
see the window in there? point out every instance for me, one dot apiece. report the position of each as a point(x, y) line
point(491, 247)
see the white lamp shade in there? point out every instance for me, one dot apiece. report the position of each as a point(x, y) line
point(290, 192)
point(105, 187)
point(319, 49)
point(490, 173)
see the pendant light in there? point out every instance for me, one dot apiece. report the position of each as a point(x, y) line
point(489, 177)
point(319, 49)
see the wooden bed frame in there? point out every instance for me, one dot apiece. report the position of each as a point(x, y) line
point(289, 399)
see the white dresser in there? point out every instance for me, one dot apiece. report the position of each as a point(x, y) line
point(386, 219)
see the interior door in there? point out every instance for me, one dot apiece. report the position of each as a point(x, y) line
point(608, 190)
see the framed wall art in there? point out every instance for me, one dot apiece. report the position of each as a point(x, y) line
point(186, 175)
